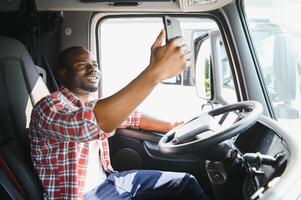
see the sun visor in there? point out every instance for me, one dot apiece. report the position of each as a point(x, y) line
point(9, 5)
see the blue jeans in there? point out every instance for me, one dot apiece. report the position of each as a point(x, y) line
point(147, 185)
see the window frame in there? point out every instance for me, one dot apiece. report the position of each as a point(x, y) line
point(98, 18)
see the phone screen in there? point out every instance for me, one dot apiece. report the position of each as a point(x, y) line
point(172, 28)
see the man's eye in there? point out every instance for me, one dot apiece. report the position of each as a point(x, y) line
point(81, 65)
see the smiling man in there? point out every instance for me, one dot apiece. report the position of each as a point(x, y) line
point(69, 131)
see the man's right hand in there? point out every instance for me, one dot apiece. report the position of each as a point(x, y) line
point(169, 60)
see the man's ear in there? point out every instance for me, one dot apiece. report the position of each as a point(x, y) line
point(62, 73)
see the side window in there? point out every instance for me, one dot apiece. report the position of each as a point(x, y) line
point(124, 52)
point(277, 41)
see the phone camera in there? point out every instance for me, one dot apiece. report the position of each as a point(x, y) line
point(168, 22)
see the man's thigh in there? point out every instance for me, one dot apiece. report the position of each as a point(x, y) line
point(107, 191)
point(149, 184)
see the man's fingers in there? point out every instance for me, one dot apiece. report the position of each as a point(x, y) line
point(185, 49)
point(177, 41)
point(159, 40)
point(187, 55)
point(187, 58)
point(187, 63)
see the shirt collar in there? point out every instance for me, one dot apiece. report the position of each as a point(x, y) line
point(71, 96)
point(75, 100)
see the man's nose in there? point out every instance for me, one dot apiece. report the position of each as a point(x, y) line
point(93, 68)
point(90, 67)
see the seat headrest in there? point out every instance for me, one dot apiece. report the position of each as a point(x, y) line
point(12, 51)
point(20, 88)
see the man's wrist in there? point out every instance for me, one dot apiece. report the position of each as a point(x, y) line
point(153, 75)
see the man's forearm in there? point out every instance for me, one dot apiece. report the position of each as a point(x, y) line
point(157, 125)
point(112, 111)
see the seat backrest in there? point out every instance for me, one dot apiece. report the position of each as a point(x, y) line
point(20, 88)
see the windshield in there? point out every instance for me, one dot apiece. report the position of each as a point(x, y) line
point(276, 36)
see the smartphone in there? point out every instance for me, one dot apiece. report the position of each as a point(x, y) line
point(172, 28)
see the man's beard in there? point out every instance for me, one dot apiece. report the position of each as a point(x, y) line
point(72, 84)
point(90, 88)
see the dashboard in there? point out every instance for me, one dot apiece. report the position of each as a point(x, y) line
point(261, 140)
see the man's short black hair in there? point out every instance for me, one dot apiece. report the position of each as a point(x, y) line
point(66, 55)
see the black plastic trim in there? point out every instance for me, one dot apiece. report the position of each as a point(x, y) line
point(139, 134)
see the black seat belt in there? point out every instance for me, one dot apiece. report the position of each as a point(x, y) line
point(38, 31)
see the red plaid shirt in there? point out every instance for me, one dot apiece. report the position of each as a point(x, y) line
point(61, 127)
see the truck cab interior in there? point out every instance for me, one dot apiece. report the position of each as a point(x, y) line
point(240, 98)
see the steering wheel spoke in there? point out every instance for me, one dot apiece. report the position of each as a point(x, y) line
point(198, 125)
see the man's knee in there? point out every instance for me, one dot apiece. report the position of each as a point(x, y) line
point(192, 189)
point(190, 180)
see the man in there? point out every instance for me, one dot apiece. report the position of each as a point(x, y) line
point(69, 131)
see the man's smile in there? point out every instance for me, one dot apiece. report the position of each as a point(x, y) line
point(92, 78)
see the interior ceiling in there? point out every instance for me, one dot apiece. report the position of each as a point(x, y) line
point(149, 6)
point(9, 5)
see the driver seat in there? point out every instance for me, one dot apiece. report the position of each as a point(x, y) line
point(20, 88)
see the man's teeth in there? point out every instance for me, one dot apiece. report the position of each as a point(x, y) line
point(92, 78)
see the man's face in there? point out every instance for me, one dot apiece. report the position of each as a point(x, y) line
point(83, 73)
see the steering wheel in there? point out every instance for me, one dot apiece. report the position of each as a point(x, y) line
point(206, 130)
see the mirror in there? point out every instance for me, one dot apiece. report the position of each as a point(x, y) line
point(203, 69)
point(214, 78)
